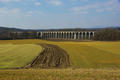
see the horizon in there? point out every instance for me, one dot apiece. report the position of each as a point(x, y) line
point(59, 14)
point(92, 28)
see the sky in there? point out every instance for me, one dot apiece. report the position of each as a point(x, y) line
point(54, 14)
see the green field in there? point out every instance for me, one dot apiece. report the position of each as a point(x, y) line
point(17, 55)
point(82, 54)
point(93, 54)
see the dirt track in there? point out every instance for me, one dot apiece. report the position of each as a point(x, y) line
point(51, 57)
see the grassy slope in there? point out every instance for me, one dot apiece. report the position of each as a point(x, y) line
point(86, 54)
point(12, 56)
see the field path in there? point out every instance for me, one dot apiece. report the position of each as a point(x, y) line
point(52, 56)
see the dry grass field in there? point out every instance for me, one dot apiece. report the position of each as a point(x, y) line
point(89, 61)
point(60, 74)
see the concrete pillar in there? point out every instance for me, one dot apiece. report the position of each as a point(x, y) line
point(41, 34)
point(64, 35)
point(89, 35)
point(85, 35)
point(93, 34)
point(82, 35)
point(55, 35)
point(61, 35)
point(68, 35)
point(37, 34)
point(52, 35)
point(75, 36)
point(72, 35)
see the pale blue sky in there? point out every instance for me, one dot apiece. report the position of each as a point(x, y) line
point(47, 14)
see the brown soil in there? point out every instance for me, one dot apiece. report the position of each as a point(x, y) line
point(51, 57)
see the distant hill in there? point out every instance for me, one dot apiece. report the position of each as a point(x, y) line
point(13, 29)
point(9, 29)
point(65, 29)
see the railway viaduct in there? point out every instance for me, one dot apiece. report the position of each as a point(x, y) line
point(75, 35)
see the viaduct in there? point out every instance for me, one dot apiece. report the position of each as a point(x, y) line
point(75, 35)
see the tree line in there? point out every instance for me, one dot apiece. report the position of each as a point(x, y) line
point(8, 35)
point(108, 34)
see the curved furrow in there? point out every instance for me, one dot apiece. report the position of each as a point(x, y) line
point(51, 57)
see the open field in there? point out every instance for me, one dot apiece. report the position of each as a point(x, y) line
point(85, 54)
point(60, 74)
point(16, 55)
point(89, 60)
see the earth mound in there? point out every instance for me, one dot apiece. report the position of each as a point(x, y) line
point(51, 57)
